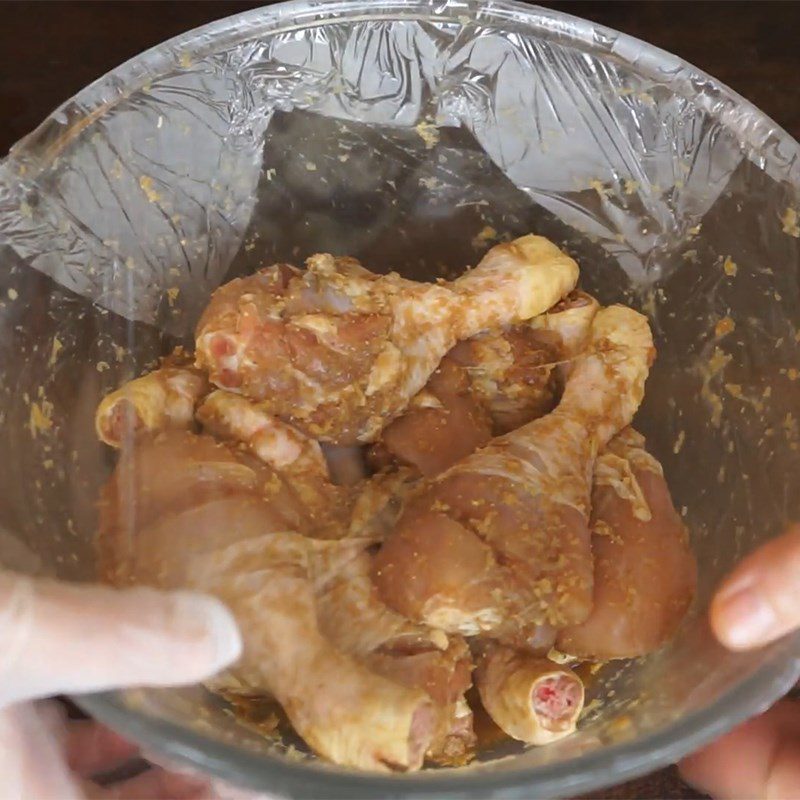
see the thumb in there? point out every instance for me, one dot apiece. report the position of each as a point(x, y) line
point(760, 758)
point(67, 638)
point(757, 603)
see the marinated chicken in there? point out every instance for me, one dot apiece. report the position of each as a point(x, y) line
point(500, 542)
point(488, 385)
point(355, 620)
point(230, 417)
point(401, 489)
point(531, 699)
point(517, 373)
point(339, 351)
point(165, 398)
point(443, 423)
point(644, 568)
point(296, 457)
point(203, 520)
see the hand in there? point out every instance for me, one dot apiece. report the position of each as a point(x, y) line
point(63, 638)
point(758, 603)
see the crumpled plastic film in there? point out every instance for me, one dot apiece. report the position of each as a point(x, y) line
point(156, 182)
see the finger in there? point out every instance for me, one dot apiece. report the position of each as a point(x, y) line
point(761, 758)
point(757, 603)
point(30, 758)
point(155, 784)
point(90, 748)
point(63, 638)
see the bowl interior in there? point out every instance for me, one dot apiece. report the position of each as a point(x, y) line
point(413, 138)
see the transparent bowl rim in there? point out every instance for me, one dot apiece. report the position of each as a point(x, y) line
point(610, 764)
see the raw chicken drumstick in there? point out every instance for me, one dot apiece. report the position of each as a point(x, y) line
point(354, 619)
point(218, 525)
point(570, 320)
point(500, 542)
point(531, 699)
point(406, 652)
point(644, 568)
point(294, 456)
point(490, 384)
point(339, 351)
point(164, 398)
point(232, 418)
point(443, 423)
point(515, 373)
point(639, 599)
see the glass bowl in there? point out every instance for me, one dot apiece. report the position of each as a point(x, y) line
point(413, 135)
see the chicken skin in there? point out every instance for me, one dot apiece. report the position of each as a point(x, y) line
point(354, 619)
point(400, 489)
point(644, 569)
point(500, 542)
point(339, 351)
point(517, 373)
point(298, 459)
point(486, 386)
point(444, 423)
point(214, 525)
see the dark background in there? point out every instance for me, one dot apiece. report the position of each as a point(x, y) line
point(50, 50)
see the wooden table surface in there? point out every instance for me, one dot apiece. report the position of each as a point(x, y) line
point(50, 50)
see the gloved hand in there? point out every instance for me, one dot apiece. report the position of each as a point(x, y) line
point(758, 603)
point(64, 638)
